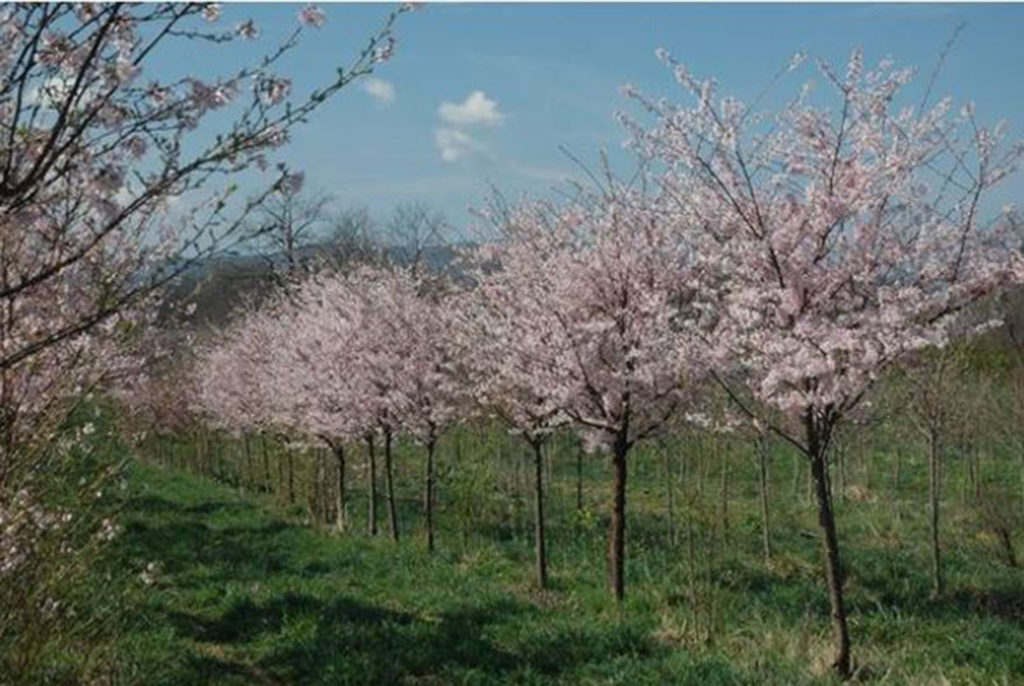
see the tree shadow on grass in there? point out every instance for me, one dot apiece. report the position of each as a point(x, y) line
point(1003, 600)
point(229, 553)
point(298, 637)
point(148, 504)
point(347, 641)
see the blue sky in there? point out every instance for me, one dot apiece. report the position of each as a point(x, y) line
point(550, 77)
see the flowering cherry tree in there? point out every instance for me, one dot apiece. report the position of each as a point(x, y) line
point(340, 357)
point(285, 367)
point(504, 355)
point(830, 240)
point(411, 331)
point(115, 178)
point(585, 317)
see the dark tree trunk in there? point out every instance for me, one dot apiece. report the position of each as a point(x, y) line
point(280, 488)
point(617, 534)
point(934, 485)
point(761, 445)
point(817, 452)
point(840, 450)
point(339, 458)
point(809, 494)
point(671, 497)
point(248, 480)
point(389, 484)
point(266, 464)
point(314, 496)
point(428, 496)
point(698, 466)
point(291, 477)
point(723, 506)
point(1022, 479)
point(579, 478)
point(539, 541)
point(796, 476)
point(1006, 540)
point(371, 476)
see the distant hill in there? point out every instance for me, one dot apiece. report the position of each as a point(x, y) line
point(220, 284)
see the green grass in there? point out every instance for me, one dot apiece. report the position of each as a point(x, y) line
point(247, 593)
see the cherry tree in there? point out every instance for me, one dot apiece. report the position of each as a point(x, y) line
point(340, 357)
point(504, 355)
point(378, 357)
point(96, 165)
point(831, 239)
point(412, 320)
point(381, 350)
point(319, 375)
point(286, 367)
point(930, 388)
point(587, 321)
point(116, 176)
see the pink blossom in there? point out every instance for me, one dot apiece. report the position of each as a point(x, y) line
point(312, 15)
point(212, 11)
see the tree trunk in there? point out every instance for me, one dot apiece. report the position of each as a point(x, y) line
point(840, 451)
point(761, 445)
point(817, 452)
point(428, 496)
point(266, 464)
point(670, 485)
point(291, 477)
point(339, 457)
point(1007, 542)
point(796, 477)
point(933, 501)
point(371, 458)
point(280, 489)
point(248, 480)
point(389, 484)
point(617, 537)
point(809, 493)
point(897, 469)
point(698, 466)
point(1022, 480)
point(579, 478)
point(315, 495)
point(723, 507)
point(539, 542)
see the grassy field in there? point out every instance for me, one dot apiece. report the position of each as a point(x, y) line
point(242, 590)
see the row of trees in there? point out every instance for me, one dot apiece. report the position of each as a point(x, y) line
point(788, 261)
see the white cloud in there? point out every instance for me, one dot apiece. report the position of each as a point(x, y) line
point(380, 90)
point(454, 144)
point(476, 109)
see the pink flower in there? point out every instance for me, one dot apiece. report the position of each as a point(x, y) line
point(385, 52)
point(312, 15)
point(136, 147)
point(274, 90)
point(212, 12)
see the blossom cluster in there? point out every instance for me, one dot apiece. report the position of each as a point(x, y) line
point(831, 240)
point(338, 357)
